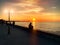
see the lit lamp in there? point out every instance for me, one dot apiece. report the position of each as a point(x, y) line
point(8, 11)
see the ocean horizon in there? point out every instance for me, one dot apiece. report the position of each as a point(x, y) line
point(50, 27)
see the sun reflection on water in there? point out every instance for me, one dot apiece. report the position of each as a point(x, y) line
point(33, 22)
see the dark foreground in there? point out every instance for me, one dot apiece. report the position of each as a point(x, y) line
point(23, 36)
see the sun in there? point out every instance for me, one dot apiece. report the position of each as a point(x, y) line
point(34, 19)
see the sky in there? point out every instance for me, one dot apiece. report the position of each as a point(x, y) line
point(41, 10)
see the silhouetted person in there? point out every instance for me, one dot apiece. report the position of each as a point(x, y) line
point(30, 26)
point(13, 23)
point(8, 30)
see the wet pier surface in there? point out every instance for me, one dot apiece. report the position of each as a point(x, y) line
point(19, 36)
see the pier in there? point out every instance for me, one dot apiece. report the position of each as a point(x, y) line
point(23, 36)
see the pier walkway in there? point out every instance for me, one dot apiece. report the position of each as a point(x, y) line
point(19, 36)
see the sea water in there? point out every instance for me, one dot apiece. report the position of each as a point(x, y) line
point(50, 27)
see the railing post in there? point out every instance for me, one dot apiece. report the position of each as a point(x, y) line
point(13, 22)
point(6, 22)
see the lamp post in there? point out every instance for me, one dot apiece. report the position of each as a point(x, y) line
point(9, 17)
point(8, 12)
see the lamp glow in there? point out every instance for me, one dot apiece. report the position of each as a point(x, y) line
point(6, 11)
point(11, 11)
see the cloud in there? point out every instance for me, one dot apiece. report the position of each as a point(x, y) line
point(10, 1)
point(24, 6)
point(47, 2)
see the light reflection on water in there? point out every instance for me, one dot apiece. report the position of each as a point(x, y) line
point(33, 23)
point(44, 26)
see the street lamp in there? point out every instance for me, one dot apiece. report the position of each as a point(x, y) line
point(9, 11)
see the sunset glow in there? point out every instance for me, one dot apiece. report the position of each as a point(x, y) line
point(27, 9)
point(29, 22)
point(34, 19)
